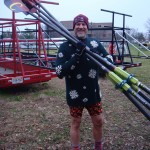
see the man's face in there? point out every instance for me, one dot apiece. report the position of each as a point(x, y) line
point(80, 30)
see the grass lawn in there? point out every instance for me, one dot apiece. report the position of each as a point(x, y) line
point(36, 117)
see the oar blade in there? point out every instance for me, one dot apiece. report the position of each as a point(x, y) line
point(19, 6)
point(16, 6)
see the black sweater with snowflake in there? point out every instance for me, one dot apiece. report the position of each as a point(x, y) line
point(81, 75)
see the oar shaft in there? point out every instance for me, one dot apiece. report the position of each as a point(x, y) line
point(53, 27)
point(141, 99)
point(123, 74)
point(144, 96)
point(144, 87)
point(141, 108)
point(118, 81)
point(141, 93)
point(109, 68)
point(53, 20)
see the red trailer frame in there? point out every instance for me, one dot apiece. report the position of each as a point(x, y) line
point(14, 69)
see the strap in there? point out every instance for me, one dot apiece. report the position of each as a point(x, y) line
point(124, 81)
point(129, 78)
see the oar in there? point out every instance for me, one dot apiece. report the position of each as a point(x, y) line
point(65, 33)
point(119, 73)
point(140, 92)
point(68, 36)
point(141, 108)
point(17, 6)
point(127, 90)
point(123, 74)
point(125, 86)
point(120, 83)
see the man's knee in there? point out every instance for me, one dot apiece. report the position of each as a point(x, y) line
point(75, 122)
point(97, 120)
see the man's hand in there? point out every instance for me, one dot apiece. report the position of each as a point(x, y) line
point(80, 48)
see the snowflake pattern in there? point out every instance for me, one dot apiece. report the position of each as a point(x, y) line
point(72, 55)
point(60, 55)
point(79, 76)
point(94, 44)
point(58, 69)
point(92, 73)
point(72, 67)
point(84, 87)
point(85, 100)
point(73, 94)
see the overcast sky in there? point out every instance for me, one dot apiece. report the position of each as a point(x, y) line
point(68, 9)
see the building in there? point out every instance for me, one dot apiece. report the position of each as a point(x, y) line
point(100, 31)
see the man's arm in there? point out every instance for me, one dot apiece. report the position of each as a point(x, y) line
point(65, 62)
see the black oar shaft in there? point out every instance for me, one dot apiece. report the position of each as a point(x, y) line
point(121, 73)
point(54, 21)
point(105, 65)
point(144, 87)
point(141, 108)
point(144, 96)
point(53, 27)
point(141, 93)
point(139, 104)
point(140, 98)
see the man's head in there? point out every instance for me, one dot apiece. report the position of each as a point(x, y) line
point(80, 26)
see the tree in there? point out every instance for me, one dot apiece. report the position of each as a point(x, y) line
point(148, 29)
point(6, 34)
point(148, 25)
point(137, 35)
point(27, 35)
point(140, 37)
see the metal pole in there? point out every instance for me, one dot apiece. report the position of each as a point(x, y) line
point(132, 44)
point(137, 41)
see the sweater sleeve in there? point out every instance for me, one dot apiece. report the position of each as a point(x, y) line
point(66, 61)
point(105, 54)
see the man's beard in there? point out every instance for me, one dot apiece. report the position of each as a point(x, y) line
point(81, 35)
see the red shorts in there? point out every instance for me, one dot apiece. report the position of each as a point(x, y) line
point(93, 110)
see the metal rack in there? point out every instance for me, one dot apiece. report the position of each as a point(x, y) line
point(21, 66)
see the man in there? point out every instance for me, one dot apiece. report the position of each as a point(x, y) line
point(81, 76)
